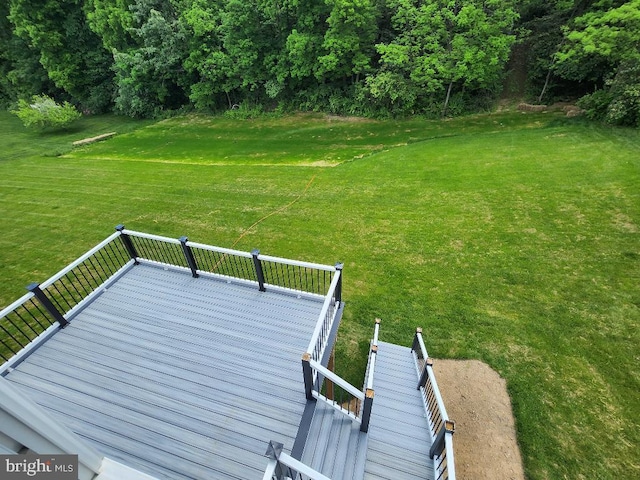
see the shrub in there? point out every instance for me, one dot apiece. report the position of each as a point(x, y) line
point(43, 113)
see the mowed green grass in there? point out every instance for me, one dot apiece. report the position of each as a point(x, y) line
point(510, 238)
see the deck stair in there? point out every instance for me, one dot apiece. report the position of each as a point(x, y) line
point(397, 443)
point(399, 438)
point(336, 447)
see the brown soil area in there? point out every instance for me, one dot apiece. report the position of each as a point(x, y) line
point(484, 442)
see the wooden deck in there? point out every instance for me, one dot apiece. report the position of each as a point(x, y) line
point(178, 377)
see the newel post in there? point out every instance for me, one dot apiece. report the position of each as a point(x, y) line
point(415, 347)
point(128, 244)
point(188, 254)
point(47, 304)
point(273, 453)
point(258, 266)
point(428, 362)
point(307, 374)
point(448, 428)
point(338, 294)
point(366, 410)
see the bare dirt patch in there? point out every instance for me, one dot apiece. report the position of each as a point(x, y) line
point(99, 138)
point(484, 443)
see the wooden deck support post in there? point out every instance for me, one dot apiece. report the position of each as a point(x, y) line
point(47, 304)
point(330, 366)
point(307, 374)
point(258, 266)
point(188, 254)
point(128, 244)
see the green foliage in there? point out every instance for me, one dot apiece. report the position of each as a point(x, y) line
point(349, 38)
point(380, 58)
point(441, 44)
point(619, 102)
point(43, 113)
point(149, 76)
point(71, 54)
point(245, 111)
point(607, 41)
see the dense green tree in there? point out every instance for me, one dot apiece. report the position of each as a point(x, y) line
point(21, 74)
point(112, 21)
point(441, 45)
point(150, 76)
point(207, 61)
point(603, 47)
point(349, 56)
point(541, 36)
point(71, 54)
point(349, 39)
point(299, 66)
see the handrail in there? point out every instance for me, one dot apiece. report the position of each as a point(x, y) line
point(432, 378)
point(373, 355)
point(325, 372)
point(225, 251)
point(297, 263)
point(79, 261)
point(58, 299)
point(151, 236)
point(322, 325)
point(35, 316)
point(282, 466)
point(7, 310)
point(340, 394)
point(440, 426)
point(264, 270)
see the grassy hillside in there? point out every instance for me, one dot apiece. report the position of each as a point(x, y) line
point(511, 238)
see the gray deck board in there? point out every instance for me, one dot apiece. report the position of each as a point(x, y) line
point(179, 377)
point(335, 446)
point(399, 439)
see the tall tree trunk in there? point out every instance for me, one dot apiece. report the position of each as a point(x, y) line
point(546, 84)
point(446, 101)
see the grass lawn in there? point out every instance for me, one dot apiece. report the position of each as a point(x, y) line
point(511, 238)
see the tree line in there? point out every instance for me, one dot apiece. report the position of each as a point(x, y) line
point(360, 57)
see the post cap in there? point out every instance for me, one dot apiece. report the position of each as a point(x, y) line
point(274, 450)
point(450, 426)
point(183, 239)
point(369, 393)
point(429, 361)
point(418, 329)
point(339, 265)
point(120, 227)
point(32, 286)
point(378, 321)
point(306, 356)
point(374, 348)
point(255, 252)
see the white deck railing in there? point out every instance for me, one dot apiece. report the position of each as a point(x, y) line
point(441, 428)
point(282, 466)
point(33, 318)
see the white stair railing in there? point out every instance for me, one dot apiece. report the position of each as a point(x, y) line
point(282, 466)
